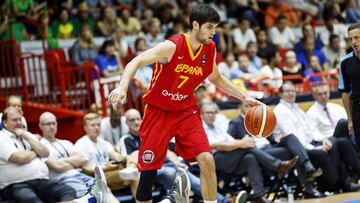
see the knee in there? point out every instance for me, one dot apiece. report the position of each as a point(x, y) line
point(206, 162)
point(342, 141)
point(249, 159)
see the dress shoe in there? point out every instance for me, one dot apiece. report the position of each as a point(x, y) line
point(350, 187)
point(286, 166)
point(313, 173)
point(311, 192)
point(261, 200)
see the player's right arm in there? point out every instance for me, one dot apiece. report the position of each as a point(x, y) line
point(160, 53)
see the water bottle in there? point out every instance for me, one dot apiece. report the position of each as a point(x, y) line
point(290, 194)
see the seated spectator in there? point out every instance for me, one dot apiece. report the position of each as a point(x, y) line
point(226, 65)
point(165, 176)
point(110, 66)
point(243, 34)
point(64, 161)
point(114, 127)
point(333, 52)
point(52, 41)
point(327, 116)
point(278, 8)
point(83, 17)
point(109, 61)
point(154, 36)
point(313, 68)
point(281, 35)
point(304, 6)
point(24, 176)
point(271, 71)
point(308, 31)
point(239, 156)
point(15, 101)
point(128, 24)
point(352, 12)
point(293, 120)
point(97, 151)
point(265, 47)
point(332, 26)
point(251, 51)
point(223, 38)
point(62, 27)
point(309, 50)
point(120, 44)
point(106, 24)
point(292, 67)
point(243, 70)
point(25, 9)
point(306, 170)
point(84, 47)
point(144, 74)
point(19, 31)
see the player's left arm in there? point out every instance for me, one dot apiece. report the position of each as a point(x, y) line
point(227, 86)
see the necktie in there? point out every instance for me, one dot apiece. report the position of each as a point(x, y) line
point(329, 117)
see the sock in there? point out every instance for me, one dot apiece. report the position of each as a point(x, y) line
point(165, 201)
point(207, 201)
point(88, 198)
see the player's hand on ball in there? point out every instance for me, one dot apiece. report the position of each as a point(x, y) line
point(252, 102)
point(117, 96)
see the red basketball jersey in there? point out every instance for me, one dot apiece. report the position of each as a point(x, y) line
point(173, 84)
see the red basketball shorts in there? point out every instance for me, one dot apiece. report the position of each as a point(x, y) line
point(159, 126)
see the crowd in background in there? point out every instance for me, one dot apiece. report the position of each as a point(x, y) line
point(256, 40)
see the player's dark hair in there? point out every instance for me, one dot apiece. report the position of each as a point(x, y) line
point(203, 13)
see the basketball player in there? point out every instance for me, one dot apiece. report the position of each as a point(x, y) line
point(181, 63)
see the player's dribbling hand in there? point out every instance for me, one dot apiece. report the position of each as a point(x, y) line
point(117, 96)
point(252, 102)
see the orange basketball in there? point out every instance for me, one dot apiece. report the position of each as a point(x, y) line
point(260, 121)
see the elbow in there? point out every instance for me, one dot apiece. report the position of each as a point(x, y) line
point(215, 79)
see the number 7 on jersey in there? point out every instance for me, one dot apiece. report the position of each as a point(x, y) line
point(184, 79)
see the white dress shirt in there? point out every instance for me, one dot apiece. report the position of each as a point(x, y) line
point(216, 134)
point(293, 120)
point(318, 117)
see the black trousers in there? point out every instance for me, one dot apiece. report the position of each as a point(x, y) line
point(356, 120)
point(38, 191)
point(250, 162)
point(294, 147)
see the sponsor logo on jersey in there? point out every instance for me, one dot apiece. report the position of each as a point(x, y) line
point(192, 70)
point(174, 96)
point(148, 156)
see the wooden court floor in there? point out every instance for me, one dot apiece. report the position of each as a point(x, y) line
point(351, 196)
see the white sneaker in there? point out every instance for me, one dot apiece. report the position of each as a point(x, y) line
point(99, 189)
point(181, 188)
point(129, 173)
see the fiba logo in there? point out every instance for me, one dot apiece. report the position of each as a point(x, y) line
point(175, 97)
point(148, 156)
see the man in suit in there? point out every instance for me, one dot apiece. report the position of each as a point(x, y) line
point(275, 147)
